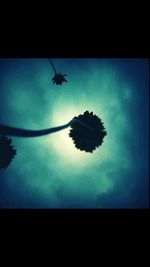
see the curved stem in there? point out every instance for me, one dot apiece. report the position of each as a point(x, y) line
point(12, 131)
point(18, 132)
point(50, 61)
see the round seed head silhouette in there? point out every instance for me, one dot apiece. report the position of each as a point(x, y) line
point(7, 152)
point(87, 132)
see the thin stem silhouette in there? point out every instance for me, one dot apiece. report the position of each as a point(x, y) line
point(52, 64)
point(18, 132)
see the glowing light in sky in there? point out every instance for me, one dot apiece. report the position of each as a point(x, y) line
point(53, 171)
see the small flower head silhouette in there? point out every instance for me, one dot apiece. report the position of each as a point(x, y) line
point(7, 152)
point(59, 78)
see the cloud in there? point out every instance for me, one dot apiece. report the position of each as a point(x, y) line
point(50, 171)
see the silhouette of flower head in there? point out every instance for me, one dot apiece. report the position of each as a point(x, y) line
point(87, 132)
point(59, 78)
point(7, 152)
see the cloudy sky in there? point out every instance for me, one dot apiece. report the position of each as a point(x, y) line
point(49, 172)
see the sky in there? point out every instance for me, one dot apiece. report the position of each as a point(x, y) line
point(49, 171)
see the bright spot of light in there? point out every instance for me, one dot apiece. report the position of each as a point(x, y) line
point(62, 144)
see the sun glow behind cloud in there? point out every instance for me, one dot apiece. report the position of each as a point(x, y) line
point(52, 164)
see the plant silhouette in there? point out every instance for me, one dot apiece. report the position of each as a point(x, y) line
point(87, 132)
point(58, 77)
point(7, 152)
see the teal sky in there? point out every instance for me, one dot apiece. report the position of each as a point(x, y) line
point(49, 172)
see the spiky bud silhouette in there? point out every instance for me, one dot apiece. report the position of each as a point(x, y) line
point(7, 151)
point(58, 77)
point(90, 137)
